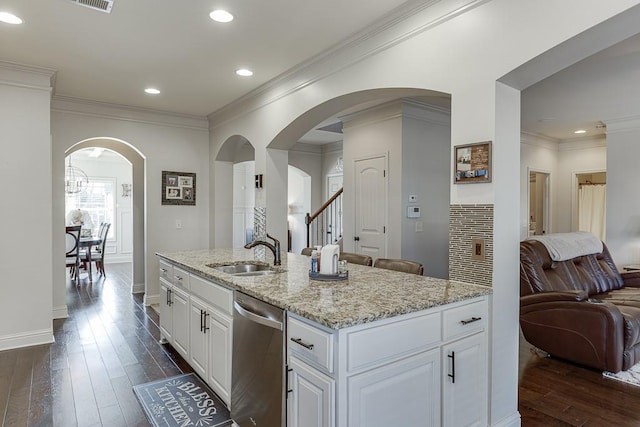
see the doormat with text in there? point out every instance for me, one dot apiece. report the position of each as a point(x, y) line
point(183, 400)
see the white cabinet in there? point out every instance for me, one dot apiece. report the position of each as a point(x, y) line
point(464, 361)
point(166, 313)
point(196, 319)
point(174, 317)
point(311, 396)
point(465, 382)
point(402, 393)
point(220, 345)
point(198, 337)
point(391, 372)
point(180, 308)
point(211, 341)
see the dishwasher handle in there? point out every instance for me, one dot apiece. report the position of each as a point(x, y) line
point(256, 317)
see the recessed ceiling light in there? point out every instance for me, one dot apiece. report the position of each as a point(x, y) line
point(221, 16)
point(9, 18)
point(244, 72)
point(152, 91)
point(579, 131)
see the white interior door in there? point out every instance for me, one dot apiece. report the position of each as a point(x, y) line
point(370, 206)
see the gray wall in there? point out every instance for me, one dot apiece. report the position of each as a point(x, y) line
point(426, 173)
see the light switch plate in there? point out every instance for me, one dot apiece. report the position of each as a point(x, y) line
point(178, 224)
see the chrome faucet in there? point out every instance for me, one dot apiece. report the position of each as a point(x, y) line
point(275, 247)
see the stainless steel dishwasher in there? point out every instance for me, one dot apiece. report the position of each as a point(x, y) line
point(258, 372)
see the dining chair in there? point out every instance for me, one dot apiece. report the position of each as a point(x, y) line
point(306, 251)
point(73, 250)
point(97, 252)
point(400, 265)
point(352, 258)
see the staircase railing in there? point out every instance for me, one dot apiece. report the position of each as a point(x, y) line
point(325, 225)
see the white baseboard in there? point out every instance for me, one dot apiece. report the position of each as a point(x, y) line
point(118, 259)
point(137, 288)
point(27, 339)
point(512, 420)
point(60, 312)
point(151, 299)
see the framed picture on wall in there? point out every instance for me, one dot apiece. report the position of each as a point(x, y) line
point(472, 163)
point(178, 188)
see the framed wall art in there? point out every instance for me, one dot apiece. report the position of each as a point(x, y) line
point(472, 163)
point(178, 188)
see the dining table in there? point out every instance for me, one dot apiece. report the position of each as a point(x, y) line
point(88, 243)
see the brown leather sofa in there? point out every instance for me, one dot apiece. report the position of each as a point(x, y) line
point(582, 310)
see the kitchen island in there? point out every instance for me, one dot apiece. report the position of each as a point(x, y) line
point(381, 348)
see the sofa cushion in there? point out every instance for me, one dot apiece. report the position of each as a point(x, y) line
point(595, 273)
point(628, 302)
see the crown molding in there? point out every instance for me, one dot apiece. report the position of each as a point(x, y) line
point(304, 148)
point(27, 76)
point(22, 68)
point(334, 147)
point(583, 143)
point(537, 140)
point(622, 124)
point(389, 110)
point(425, 112)
point(405, 22)
point(105, 110)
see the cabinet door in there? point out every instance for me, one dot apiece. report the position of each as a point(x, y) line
point(402, 393)
point(199, 336)
point(166, 313)
point(180, 307)
point(465, 382)
point(311, 400)
point(220, 336)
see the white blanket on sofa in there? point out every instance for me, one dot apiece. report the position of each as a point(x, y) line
point(564, 246)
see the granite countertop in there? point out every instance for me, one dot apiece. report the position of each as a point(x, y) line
point(368, 294)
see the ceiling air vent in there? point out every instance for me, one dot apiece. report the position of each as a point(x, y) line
point(101, 5)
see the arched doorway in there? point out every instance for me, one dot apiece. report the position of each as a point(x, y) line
point(235, 150)
point(299, 203)
point(105, 200)
point(409, 129)
point(137, 160)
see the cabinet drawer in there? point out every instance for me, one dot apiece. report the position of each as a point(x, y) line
point(212, 293)
point(464, 320)
point(310, 344)
point(166, 271)
point(376, 345)
point(180, 278)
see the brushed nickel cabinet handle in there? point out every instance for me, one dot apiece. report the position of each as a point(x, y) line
point(302, 343)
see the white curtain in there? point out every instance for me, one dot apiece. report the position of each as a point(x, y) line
point(592, 200)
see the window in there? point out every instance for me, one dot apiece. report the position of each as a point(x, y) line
point(98, 201)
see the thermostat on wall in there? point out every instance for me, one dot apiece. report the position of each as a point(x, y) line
point(413, 211)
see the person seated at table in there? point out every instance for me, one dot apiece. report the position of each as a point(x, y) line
point(82, 218)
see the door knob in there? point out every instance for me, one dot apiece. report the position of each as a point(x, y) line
point(356, 238)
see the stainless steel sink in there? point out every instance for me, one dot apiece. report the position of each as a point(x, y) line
point(246, 269)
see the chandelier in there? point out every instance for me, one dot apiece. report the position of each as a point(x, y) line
point(75, 180)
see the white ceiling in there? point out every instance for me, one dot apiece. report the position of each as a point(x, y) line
point(604, 87)
point(176, 47)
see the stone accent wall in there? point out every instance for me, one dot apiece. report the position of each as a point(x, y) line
point(467, 222)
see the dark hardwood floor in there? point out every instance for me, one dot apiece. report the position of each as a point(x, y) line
point(557, 393)
point(108, 343)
